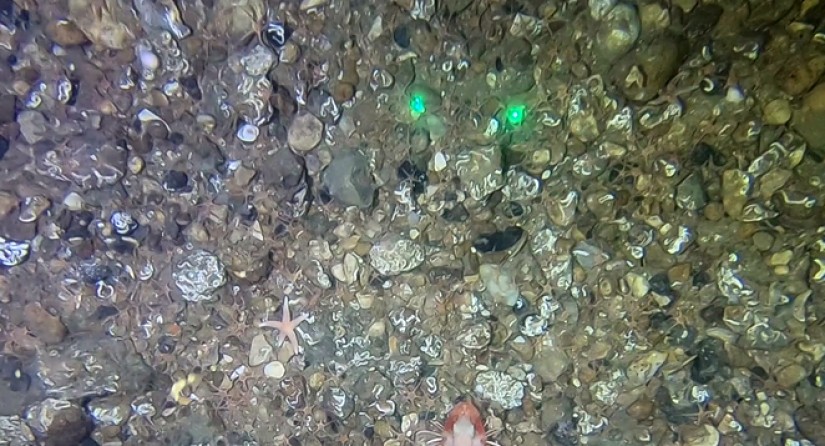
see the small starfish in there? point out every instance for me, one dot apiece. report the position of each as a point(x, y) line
point(286, 327)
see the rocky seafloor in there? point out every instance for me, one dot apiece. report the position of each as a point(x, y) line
point(324, 222)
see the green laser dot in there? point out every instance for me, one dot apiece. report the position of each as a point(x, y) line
point(515, 115)
point(417, 104)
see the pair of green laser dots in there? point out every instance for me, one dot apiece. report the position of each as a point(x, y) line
point(514, 113)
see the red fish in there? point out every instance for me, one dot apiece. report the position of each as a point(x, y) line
point(464, 426)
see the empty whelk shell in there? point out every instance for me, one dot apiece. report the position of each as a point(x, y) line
point(123, 222)
point(275, 34)
point(248, 133)
point(13, 253)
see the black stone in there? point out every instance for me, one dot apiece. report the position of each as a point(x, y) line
point(83, 218)
point(661, 321)
point(702, 153)
point(760, 373)
point(105, 311)
point(401, 36)
point(175, 181)
point(713, 314)
point(708, 363)
point(499, 240)
point(248, 212)
point(324, 197)
point(76, 232)
point(682, 335)
point(719, 159)
point(176, 138)
point(10, 16)
point(11, 371)
point(191, 87)
point(513, 209)
point(20, 381)
point(122, 245)
point(457, 214)
point(369, 432)
point(701, 279)
point(4, 146)
point(660, 284)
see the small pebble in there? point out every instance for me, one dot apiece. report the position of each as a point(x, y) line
point(135, 164)
point(780, 258)
point(777, 112)
point(275, 370)
point(762, 241)
point(259, 351)
point(148, 59)
point(73, 201)
point(305, 132)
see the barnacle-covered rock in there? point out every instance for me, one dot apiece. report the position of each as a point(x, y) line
point(58, 422)
point(480, 171)
point(199, 275)
point(500, 388)
point(395, 255)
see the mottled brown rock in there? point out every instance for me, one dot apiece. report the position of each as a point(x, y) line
point(809, 118)
point(107, 23)
point(58, 422)
point(800, 73)
point(809, 421)
point(45, 326)
point(65, 33)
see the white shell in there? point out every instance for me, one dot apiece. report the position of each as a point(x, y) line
point(248, 133)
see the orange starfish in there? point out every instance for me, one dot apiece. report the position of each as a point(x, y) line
point(286, 327)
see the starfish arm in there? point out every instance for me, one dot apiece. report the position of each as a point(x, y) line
point(293, 338)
